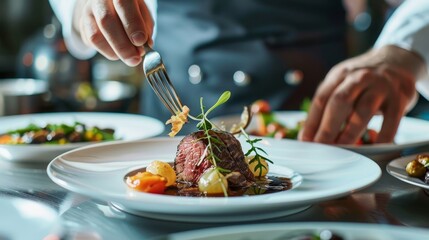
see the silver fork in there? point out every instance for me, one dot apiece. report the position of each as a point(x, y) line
point(157, 76)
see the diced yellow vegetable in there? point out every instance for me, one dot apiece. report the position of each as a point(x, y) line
point(415, 169)
point(213, 182)
point(162, 169)
point(260, 171)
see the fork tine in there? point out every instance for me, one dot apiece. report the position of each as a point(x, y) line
point(155, 86)
point(158, 79)
point(165, 91)
point(175, 98)
point(168, 91)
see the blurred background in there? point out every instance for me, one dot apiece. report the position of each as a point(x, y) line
point(31, 46)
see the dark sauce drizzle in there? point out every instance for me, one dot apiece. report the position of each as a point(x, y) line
point(264, 185)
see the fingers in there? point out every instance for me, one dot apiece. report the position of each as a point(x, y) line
point(344, 104)
point(112, 29)
point(92, 36)
point(315, 113)
point(132, 21)
point(390, 124)
point(340, 105)
point(148, 20)
point(367, 106)
point(355, 101)
point(311, 125)
point(117, 29)
point(394, 107)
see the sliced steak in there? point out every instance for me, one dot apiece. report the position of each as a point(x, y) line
point(192, 158)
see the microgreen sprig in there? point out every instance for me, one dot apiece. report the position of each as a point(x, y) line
point(206, 125)
point(255, 150)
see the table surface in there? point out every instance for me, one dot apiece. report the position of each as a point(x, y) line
point(387, 201)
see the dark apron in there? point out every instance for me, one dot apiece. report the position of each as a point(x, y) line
point(283, 48)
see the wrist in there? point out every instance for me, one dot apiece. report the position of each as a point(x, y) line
point(404, 59)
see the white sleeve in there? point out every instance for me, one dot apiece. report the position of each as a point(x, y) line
point(64, 12)
point(408, 28)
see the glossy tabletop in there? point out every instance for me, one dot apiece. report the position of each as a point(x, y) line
point(388, 201)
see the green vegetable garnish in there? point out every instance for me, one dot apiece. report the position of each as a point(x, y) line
point(31, 127)
point(205, 125)
point(59, 134)
point(254, 149)
point(306, 104)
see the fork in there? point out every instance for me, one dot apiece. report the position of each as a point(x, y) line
point(157, 76)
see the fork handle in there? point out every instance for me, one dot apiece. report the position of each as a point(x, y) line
point(147, 48)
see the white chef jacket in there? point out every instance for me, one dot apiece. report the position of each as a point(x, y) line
point(407, 28)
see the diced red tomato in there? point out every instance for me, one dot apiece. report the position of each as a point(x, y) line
point(372, 136)
point(359, 142)
point(261, 126)
point(369, 137)
point(261, 106)
point(280, 134)
point(274, 127)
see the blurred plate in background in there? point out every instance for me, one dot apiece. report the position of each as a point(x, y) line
point(396, 168)
point(126, 126)
point(411, 133)
point(301, 231)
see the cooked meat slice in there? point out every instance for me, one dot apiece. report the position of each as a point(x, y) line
point(192, 159)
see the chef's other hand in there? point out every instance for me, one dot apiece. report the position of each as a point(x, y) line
point(379, 81)
point(115, 28)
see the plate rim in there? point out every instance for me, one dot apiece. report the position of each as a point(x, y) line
point(400, 160)
point(213, 204)
point(292, 226)
point(378, 148)
point(50, 149)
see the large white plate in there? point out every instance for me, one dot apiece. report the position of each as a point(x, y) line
point(98, 171)
point(275, 231)
point(396, 168)
point(411, 132)
point(24, 219)
point(126, 126)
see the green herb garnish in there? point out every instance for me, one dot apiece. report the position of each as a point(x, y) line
point(254, 149)
point(305, 105)
point(206, 126)
point(30, 128)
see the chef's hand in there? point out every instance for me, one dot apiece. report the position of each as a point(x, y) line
point(115, 28)
point(379, 81)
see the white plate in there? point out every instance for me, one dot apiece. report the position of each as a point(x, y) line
point(126, 126)
point(275, 231)
point(396, 168)
point(411, 132)
point(98, 171)
point(24, 219)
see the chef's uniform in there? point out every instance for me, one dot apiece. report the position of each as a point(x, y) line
point(276, 50)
